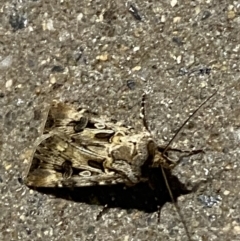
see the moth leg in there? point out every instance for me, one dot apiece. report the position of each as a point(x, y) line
point(170, 163)
point(190, 152)
point(161, 159)
point(102, 212)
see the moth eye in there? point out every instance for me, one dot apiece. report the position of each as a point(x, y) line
point(67, 169)
point(81, 124)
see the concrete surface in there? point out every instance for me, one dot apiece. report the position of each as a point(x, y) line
point(102, 56)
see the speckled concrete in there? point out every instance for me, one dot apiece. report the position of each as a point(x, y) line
point(102, 56)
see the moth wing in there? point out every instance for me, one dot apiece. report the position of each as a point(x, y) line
point(47, 167)
point(51, 178)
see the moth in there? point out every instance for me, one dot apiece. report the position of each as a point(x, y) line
point(79, 148)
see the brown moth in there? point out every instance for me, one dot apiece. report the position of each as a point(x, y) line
point(79, 148)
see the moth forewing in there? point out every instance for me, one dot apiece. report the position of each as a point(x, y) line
point(78, 142)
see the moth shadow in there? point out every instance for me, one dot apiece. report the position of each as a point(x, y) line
point(147, 197)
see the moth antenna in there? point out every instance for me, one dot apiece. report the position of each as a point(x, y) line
point(143, 111)
point(185, 122)
point(175, 204)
